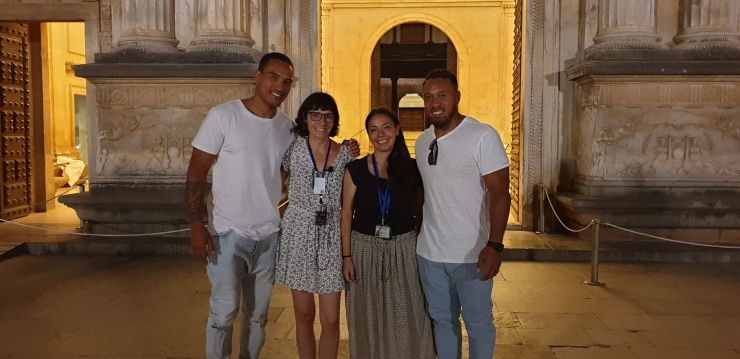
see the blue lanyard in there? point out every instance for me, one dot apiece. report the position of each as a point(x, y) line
point(384, 198)
point(326, 161)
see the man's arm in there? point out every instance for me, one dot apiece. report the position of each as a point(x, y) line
point(499, 201)
point(195, 202)
point(352, 146)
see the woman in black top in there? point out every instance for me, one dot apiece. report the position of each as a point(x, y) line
point(382, 199)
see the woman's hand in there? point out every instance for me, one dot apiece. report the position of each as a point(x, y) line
point(348, 270)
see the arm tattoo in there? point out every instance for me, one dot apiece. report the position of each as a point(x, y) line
point(195, 200)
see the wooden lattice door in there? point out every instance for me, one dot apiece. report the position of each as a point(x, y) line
point(15, 121)
point(516, 116)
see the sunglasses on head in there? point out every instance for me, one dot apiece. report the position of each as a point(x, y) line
point(433, 150)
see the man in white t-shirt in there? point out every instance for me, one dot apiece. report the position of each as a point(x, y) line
point(244, 141)
point(466, 193)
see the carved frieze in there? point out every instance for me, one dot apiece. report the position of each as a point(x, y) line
point(647, 93)
point(145, 130)
point(180, 95)
point(659, 144)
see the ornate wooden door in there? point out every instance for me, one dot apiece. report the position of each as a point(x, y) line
point(15, 121)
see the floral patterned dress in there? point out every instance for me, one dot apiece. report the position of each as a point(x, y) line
point(309, 256)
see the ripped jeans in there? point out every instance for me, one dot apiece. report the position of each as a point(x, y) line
point(242, 272)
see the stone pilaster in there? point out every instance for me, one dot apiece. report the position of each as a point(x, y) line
point(626, 24)
point(148, 26)
point(708, 23)
point(222, 26)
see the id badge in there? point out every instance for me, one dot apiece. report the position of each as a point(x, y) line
point(320, 219)
point(319, 185)
point(383, 232)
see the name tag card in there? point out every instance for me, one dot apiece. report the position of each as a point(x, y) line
point(319, 185)
point(383, 232)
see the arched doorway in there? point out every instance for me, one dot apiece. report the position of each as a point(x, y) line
point(402, 58)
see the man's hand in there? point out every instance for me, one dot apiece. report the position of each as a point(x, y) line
point(201, 242)
point(489, 262)
point(352, 146)
point(348, 271)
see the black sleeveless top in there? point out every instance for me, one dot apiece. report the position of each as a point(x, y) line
point(367, 207)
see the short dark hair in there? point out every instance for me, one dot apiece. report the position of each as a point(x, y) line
point(316, 101)
point(442, 74)
point(265, 60)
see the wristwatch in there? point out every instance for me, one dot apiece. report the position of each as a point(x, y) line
point(498, 247)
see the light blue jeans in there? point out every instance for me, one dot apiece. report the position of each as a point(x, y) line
point(450, 287)
point(242, 271)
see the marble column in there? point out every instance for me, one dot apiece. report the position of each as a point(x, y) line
point(627, 24)
point(707, 23)
point(148, 25)
point(222, 26)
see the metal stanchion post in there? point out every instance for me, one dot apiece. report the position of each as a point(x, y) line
point(82, 222)
point(595, 257)
point(541, 219)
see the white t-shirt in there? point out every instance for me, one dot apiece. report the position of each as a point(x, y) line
point(246, 175)
point(456, 221)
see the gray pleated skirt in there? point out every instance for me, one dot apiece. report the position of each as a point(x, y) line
point(386, 312)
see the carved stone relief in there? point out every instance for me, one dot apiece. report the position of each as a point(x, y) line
point(697, 144)
point(158, 149)
point(146, 131)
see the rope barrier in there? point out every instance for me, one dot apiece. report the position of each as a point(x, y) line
point(671, 240)
point(94, 234)
point(57, 196)
point(561, 222)
point(547, 196)
point(595, 252)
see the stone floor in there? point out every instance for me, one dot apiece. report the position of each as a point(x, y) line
point(155, 306)
point(146, 307)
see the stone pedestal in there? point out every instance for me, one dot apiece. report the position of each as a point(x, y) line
point(657, 145)
point(148, 115)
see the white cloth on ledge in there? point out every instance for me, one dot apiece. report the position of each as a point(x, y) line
point(71, 167)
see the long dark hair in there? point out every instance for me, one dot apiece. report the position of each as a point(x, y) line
point(316, 101)
point(402, 171)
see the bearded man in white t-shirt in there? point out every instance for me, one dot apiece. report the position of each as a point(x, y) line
point(466, 193)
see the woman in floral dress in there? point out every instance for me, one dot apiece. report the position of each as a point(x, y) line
point(309, 258)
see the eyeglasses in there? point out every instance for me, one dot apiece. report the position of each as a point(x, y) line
point(433, 150)
point(318, 116)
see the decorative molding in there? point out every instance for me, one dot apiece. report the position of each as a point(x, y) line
point(532, 174)
point(515, 151)
point(135, 94)
point(106, 26)
point(656, 93)
point(308, 23)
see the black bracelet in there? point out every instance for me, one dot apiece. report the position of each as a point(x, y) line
point(497, 246)
point(347, 256)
